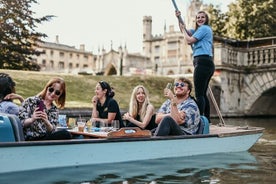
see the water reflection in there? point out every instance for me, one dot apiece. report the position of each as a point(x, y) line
point(195, 169)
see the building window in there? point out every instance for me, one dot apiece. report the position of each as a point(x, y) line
point(61, 65)
point(61, 54)
point(157, 49)
point(172, 46)
point(85, 57)
point(44, 62)
point(70, 65)
point(52, 64)
point(156, 59)
point(51, 52)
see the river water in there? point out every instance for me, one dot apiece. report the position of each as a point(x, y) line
point(256, 166)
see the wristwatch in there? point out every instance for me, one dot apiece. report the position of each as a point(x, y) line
point(174, 104)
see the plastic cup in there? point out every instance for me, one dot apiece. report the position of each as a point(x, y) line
point(81, 125)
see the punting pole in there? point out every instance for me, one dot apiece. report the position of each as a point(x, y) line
point(222, 123)
point(180, 20)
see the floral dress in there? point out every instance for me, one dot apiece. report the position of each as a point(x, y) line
point(36, 130)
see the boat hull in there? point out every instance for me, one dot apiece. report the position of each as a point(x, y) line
point(23, 156)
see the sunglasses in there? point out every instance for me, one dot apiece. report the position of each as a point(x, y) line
point(181, 84)
point(51, 90)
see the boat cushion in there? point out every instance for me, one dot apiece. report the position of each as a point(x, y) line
point(6, 129)
point(17, 127)
point(203, 127)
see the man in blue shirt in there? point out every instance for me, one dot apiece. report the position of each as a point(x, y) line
point(179, 114)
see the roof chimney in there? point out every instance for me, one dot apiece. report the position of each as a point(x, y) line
point(57, 41)
point(82, 47)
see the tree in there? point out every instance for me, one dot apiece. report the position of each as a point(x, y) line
point(18, 37)
point(217, 20)
point(246, 19)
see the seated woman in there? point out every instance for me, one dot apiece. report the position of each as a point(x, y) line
point(141, 111)
point(105, 108)
point(39, 114)
point(7, 95)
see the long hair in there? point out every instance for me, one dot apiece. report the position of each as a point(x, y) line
point(7, 85)
point(207, 19)
point(60, 102)
point(133, 104)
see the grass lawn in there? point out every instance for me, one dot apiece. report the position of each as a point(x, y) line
point(80, 88)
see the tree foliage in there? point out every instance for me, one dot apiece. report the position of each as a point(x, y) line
point(18, 36)
point(246, 19)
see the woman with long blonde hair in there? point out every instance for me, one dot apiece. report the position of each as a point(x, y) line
point(141, 111)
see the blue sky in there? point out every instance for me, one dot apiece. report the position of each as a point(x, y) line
point(97, 23)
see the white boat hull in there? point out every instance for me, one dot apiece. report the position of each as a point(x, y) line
point(23, 156)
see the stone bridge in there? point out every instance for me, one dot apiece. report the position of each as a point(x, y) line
point(246, 73)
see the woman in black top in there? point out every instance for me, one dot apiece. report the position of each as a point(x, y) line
point(105, 108)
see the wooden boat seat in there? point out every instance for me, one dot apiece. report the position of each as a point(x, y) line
point(129, 132)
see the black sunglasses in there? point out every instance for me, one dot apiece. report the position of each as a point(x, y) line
point(182, 84)
point(51, 90)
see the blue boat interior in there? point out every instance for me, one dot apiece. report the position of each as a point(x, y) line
point(11, 129)
point(203, 127)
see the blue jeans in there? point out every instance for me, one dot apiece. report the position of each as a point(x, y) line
point(204, 69)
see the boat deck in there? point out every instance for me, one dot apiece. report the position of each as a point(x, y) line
point(224, 131)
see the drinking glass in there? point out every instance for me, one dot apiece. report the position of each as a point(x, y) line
point(89, 125)
point(72, 123)
point(103, 125)
point(115, 124)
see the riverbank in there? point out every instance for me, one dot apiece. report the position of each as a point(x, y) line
point(81, 88)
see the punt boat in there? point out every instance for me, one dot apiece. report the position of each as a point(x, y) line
point(125, 145)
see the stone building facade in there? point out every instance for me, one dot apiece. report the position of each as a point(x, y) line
point(165, 54)
point(60, 58)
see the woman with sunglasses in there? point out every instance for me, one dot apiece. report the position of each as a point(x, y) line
point(201, 40)
point(104, 107)
point(179, 114)
point(141, 111)
point(39, 114)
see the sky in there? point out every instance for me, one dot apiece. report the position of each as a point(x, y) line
point(102, 23)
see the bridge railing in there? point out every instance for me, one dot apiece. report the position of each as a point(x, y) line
point(262, 56)
point(258, 52)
